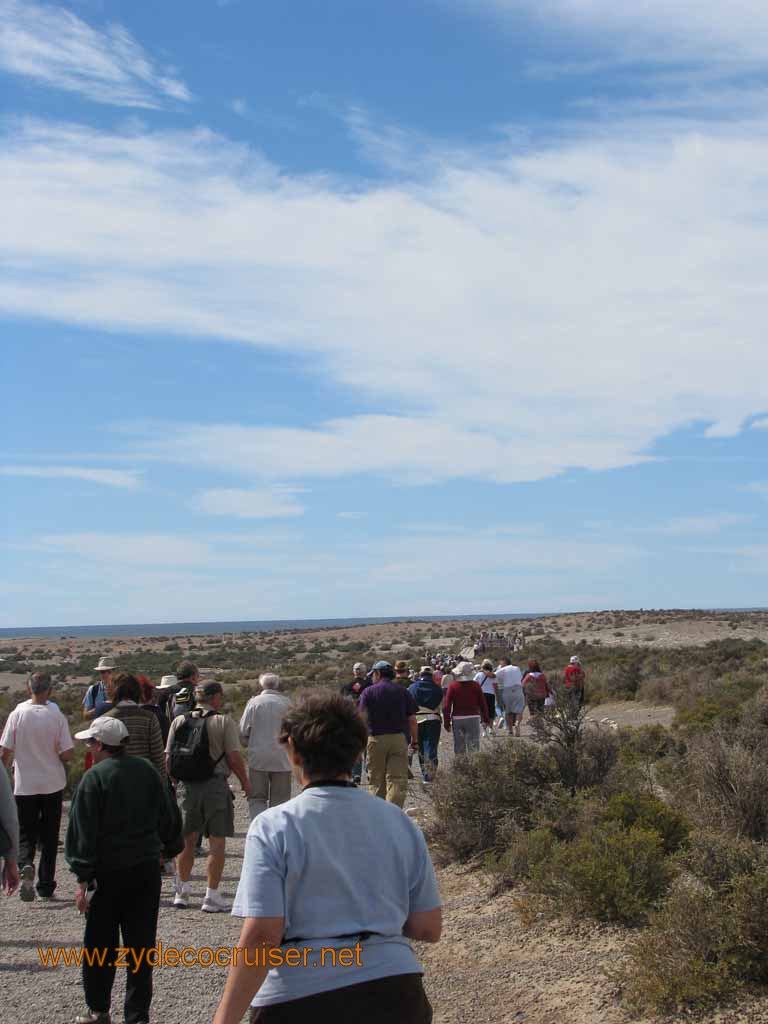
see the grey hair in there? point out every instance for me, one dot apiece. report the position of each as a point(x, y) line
point(269, 681)
point(40, 682)
point(359, 668)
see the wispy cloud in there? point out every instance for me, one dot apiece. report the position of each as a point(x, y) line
point(655, 30)
point(262, 503)
point(607, 273)
point(130, 549)
point(107, 477)
point(692, 526)
point(54, 47)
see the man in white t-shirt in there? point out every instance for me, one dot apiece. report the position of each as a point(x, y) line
point(509, 679)
point(269, 770)
point(37, 737)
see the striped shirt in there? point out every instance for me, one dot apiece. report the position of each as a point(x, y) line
point(145, 738)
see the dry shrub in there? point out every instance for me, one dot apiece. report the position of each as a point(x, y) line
point(678, 960)
point(716, 858)
point(703, 945)
point(481, 796)
point(725, 782)
point(613, 874)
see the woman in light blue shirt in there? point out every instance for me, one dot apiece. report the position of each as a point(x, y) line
point(334, 884)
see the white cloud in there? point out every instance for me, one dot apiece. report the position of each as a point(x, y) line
point(53, 47)
point(514, 313)
point(107, 477)
point(698, 525)
point(262, 503)
point(130, 549)
point(654, 30)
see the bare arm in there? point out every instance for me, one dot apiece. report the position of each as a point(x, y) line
point(257, 936)
point(237, 764)
point(424, 925)
point(413, 725)
point(65, 756)
point(6, 756)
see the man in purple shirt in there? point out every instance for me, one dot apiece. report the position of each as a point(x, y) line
point(391, 713)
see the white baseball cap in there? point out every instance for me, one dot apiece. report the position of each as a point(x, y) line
point(168, 683)
point(106, 730)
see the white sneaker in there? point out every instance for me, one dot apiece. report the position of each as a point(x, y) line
point(214, 903)
point(181, 898)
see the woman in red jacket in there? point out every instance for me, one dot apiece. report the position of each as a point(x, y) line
point(464, 708)
point(536, 688)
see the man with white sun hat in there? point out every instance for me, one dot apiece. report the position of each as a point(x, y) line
point(123, 821)
point(98, 698)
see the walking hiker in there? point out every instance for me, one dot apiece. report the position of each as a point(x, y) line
point(269, 770)
point(464, 708)
point(122, 822)
point(429, 698)
point(353, 690)
point(37, 736)
point(487, 681)
point(9, 837)
point(165, 692)
point(391, 712)
point(150, 702)
point(145, 737)
point(575, 679)
point(536, 688)
point(509, 679)
point(98, 697)
point(333, 870)
point(203, 748)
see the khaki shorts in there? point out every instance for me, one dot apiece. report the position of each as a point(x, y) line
point(207, 807)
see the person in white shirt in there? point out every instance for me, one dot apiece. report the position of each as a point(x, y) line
point(37, 737)
point(509, 680)
point(269, 770)
point(487, 679)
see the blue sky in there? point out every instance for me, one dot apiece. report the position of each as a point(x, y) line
point(328, 308)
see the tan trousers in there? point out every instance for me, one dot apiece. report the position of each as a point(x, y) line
point(388, 767)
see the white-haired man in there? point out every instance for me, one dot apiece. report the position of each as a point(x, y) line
point(353, 690)
point(269, 770)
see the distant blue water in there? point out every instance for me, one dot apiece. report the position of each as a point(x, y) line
point(215, 628)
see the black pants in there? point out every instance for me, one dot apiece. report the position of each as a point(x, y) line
point(399, 999)
point(490, 701)
point(39, 821)
point(126, 902)
point(429, 739)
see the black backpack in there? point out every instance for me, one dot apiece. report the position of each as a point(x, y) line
point(189, 758)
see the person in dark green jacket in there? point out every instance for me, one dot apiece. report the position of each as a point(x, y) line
point(122, 824)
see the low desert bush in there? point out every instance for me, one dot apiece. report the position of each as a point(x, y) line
point(703, 944)
point(480, 797)
point(716, 858)
point(650, 813)
point(723, 781)
point(612, 874)
point(678, 960)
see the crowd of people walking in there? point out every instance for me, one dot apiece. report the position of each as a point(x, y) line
point(158, 765)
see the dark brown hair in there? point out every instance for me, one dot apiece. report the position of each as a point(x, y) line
point(127, 687)
point(533, 666)
point(328, 733)
point(186, 670)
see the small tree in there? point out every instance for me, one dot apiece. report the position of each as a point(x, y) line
point(584, 755)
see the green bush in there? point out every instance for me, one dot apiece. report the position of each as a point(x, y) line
point(479, 797)
point(678, 960)
point(650, 813)
point(613, 874)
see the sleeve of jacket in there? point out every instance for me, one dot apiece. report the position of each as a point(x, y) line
point(482, 703)
point(81, 847)
point(245, 724)
point(156, 748)
point(169, 824)
point(448, 706)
